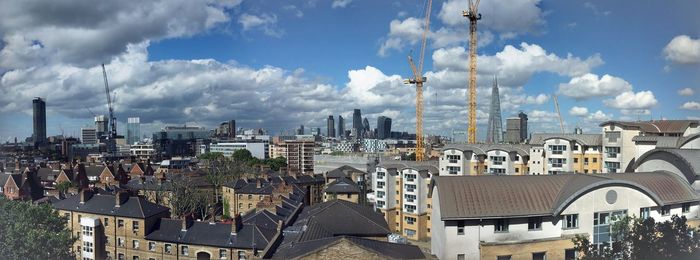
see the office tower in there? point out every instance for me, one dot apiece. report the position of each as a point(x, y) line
point(383, 127)
point(516, 129)
point(357, 120)
point(101, 125)
point(523, 125)
point(330, 125)
point(495, 124)
point(341, 127)
point(300, 130)
point(88, 135)
point(133, 130)
point(365, 127)
point(232, 128)
point(39, 135)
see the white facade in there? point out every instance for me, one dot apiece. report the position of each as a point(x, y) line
point(142, 150)
point(618, 147)
point(259, 150)
point(90, 234)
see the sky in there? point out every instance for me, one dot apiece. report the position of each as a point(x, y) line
point(278, 64)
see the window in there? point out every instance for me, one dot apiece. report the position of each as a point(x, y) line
point(539, 256)
point(410, 220)
point(410, 197)
point(120, 223)
point(453, 169)
point(410, 208)
point(106, 222)
point(453, 158)
point(503, 257)
point(135, 244)
point(612, 151)
point(460, 227)
point(612, 166)
point(87, 231)
point(534, 223)
point(410, 187)
point(644, 213)
point(460, 257)
point(380, 185)
point(222, 253)
point(685, 207)
point(585, 161)
point(557, 162)
point(602, 225)
point(575, 160)
point(665, 211)
point(87, 246)
point(612, 136)
point(409, 232)
point(497, 171)
point(571, 221)
point(595, 160)
point(135, 226)
point(151, 246)
point(557, 149)
point(570, 254)
point(241, 255)
point(120, 242)
point(250, 205)
point(168, 248)
point(497, 160)
point(136, 257)
point(185, 250)
point(250, 197)
point(501, 225)
point(120, 256)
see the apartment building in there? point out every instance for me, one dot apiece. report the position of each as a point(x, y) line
point(619, 148)
point(268, 192)
point(557, 153)
point(121, 227)
point(401, 192)
point(477, 159)
point(299, 154)
point(683, 162)
point(535, 217)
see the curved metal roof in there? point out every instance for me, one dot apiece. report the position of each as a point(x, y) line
point(690, 158)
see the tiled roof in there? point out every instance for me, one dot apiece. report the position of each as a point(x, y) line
point(343, 185)
point(342, 171)
point(338, 217)
point(212, 234)
point(471, 197)
point(133, 207)
point(384, 249)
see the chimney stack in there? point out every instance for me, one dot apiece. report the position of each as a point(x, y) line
point(258, 183)
point(236, 224)
point(120, 198)
point(187, 222)
point(85, 195)
point(279, 226)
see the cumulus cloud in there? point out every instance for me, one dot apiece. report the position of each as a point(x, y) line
point(267, 23)
point(340, 3)
point(590, 85)
point(599, 116)
point(506, 17)
point(632, 101)
point(683, 50)
point(686, 92)
point(691, 105)
point(578, 111)
point(46, 32)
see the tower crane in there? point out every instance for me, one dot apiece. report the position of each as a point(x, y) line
point(556, 106)
point(418, 80)
point(112, 131)
point(473, 16)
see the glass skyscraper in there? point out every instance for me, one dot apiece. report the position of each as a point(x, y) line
point(133, 130)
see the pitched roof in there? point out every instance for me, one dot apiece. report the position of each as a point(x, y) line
point(342, 171)
point(472, 197)
point(212, 234)
point(105, 204)
point(585, 139)
point(659, 141)
point(431, 166)
point(342, 185)
point(383, 249)
point(338, 217)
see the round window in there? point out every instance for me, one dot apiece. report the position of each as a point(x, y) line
point(611, 197)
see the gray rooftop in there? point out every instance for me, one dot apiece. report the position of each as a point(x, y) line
point(103, 204)
point(585, 139)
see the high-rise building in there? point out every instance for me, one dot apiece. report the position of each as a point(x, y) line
point(300, 130)
point(357, 120)
point(383, 127)
point(365, 127)
point(494, 134)
point(341, 127)
point(523, 125)
point(39, 135)
point(232, 128)
point(133, 130)
point(88, 135)
point(101, 125)
point(330, 125)
point(516, 129)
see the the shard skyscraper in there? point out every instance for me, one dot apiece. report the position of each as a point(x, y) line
point(495, 124)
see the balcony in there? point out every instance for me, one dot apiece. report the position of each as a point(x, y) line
point(612, 155)
point(454, 161)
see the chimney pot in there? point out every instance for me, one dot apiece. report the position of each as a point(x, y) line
point(85, 195)
point(120, 198)
point(187, 222)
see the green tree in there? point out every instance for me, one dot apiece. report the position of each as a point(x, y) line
point(211, 155)
point(242, 156)
point(637, 238)
point(63, 187)
point(30, 231)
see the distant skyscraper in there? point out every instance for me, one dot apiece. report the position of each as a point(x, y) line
point(357, 120)
point(341, 127)
point(101, 125)
point(516, 128)
point(133, 130)
point(39, 135)
point(232, 128)
point(383, 127)
point(365, 127)
point(88, 135)
point(523, 125)
point(495, 124)
point(300, 130)
point(330, 125)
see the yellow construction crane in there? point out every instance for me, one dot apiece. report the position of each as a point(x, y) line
point(418, 80)
point(556, 106)
point(473, 16)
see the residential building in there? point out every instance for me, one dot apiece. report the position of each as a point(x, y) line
point(619, 147)
point(39, 121)
point(683, 162)
point(133, 130)
point(478, 159)
point(242, 195)
point(142, 151)
point(88, 135)
point(342, 189)
point(300, 156)
point(330, 126)
point(536, 217)
point(401, 194)
point(373, 145)
point(557, 153)
point(346, 183)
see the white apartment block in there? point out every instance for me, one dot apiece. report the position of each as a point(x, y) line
point(497, 159)
point(535, 217)
point(258, 149)
point(557, 153)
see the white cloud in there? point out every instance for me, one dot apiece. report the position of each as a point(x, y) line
point(265, 22)
point(683, 50)
point(578, 111)
point(88, 33)
point(590, 85)
point(632, 101)
point(691, 105)
point(340, 3)
point(507, 17)
point(599, 116)
point(686, 92)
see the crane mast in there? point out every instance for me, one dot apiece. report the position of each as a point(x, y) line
point(112, 131)
point(556, 106)
point(418, 80)
point(473, 16)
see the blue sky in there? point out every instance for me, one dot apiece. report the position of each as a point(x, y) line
point(279, 64)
